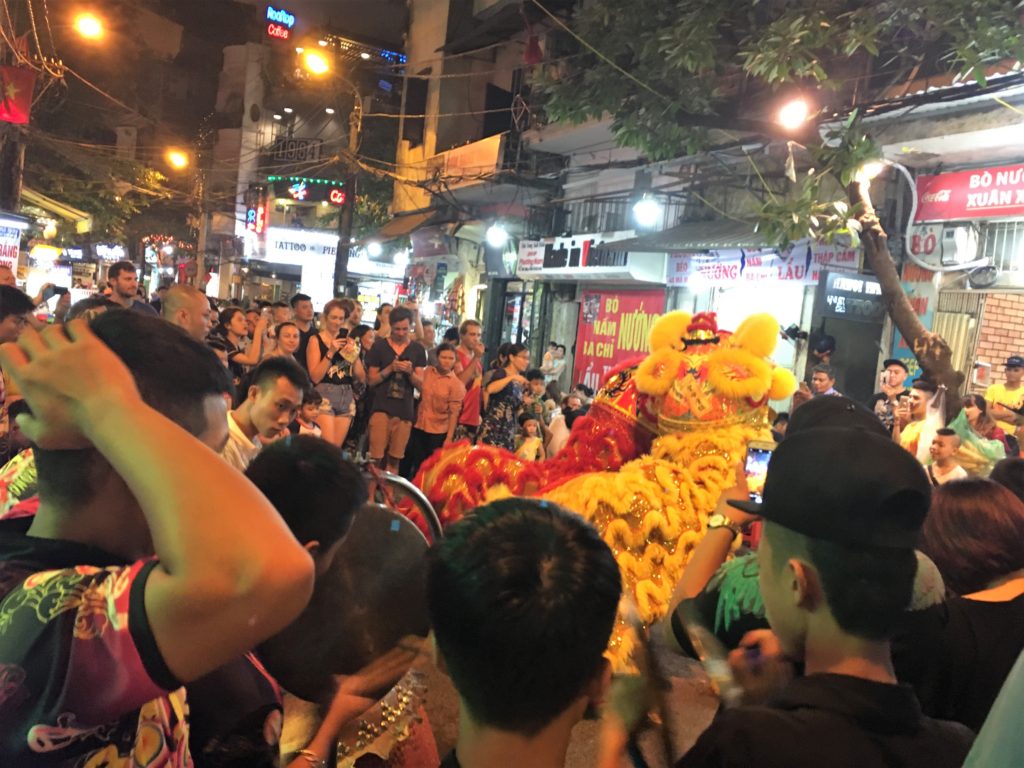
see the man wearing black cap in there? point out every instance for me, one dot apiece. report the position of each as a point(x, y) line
point(1005, 400)
point(842, 510)
point(894, 376)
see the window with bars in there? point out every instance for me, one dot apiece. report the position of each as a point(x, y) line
point(1003, 244)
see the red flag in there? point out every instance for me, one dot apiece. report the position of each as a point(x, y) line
point(16, 84)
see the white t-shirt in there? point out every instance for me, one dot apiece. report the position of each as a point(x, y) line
point(956, 473)
point(557, 366)
point(239, 450)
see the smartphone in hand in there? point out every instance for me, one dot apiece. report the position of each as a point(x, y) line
point(759, 453)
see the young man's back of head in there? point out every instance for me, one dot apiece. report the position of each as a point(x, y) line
point(522, 597)
point(175, 375)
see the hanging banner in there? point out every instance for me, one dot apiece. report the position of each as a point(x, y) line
point(10, 242)
point(922, 289)
point(801, 263)
point(978, 194)
point(613, 328)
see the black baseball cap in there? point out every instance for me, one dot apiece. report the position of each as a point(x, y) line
point(824, 344)
point(1015, 361)
point(850, 486)
point(834, 413)
point(895, 361)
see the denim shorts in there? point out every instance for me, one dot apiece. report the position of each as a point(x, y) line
point(339, 400)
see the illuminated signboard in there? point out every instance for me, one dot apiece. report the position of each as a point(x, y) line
point(279, 23)
point(256, 209)
point(302, 189)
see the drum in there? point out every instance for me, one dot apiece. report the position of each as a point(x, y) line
point(372, 596)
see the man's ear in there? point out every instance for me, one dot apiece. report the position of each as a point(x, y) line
point(254, 392)
point(805, 585)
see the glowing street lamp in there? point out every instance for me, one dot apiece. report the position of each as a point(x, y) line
point(647, 212)
point(177, 159)
point(794, 114)
point(496, 236)
point(315, 63)
point(89, 26)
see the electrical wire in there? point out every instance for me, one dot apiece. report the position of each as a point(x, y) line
point(597, 53)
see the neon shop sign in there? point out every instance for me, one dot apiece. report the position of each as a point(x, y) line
point(279, 23)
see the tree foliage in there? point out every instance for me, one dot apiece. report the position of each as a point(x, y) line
point(680, 67)
point(674, 75)
point(114, 192)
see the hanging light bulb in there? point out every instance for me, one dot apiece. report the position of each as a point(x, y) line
point(647, 212)
point(794, 114)
point(497, 236)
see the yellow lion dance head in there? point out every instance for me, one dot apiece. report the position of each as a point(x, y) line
point(710, 390)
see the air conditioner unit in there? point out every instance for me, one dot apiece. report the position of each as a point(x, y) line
point(959, 245)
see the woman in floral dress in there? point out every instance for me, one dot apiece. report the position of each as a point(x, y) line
point(499, 426)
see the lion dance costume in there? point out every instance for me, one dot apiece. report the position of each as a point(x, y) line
point(648, 462)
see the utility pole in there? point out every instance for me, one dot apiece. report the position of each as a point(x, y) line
point(347, 213)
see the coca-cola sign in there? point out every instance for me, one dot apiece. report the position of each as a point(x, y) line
point(982, 193)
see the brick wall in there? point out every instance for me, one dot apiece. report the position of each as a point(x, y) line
point(1002, 331)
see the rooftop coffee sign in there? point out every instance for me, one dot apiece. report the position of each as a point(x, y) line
point(279, 23)
point(983, 193)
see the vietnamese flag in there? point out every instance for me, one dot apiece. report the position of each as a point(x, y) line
point(16, 86)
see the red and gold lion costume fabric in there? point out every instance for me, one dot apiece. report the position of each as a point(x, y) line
point(648, 462)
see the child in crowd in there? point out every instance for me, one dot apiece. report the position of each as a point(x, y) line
point(944, 466)
point(305, 422)
point(534, 399)
point(529, 444)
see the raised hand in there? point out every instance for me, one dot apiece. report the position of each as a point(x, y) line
point(70, 379)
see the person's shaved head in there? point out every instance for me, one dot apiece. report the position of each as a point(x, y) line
point(188, 308)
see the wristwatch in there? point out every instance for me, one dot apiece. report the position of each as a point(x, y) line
point(718, 520)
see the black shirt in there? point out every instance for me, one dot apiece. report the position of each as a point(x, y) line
point(978, 643)
point(394, 395)
point(836, 721)
point(884, 407)
point(304, 337)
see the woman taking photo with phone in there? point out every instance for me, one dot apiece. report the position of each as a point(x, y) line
point(332, 360)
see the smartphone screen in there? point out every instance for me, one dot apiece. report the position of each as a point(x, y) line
point(343, 333)
point(756, 468)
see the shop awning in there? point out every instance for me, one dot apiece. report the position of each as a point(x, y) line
point(692, 236)
point(402, 226)
point(81, 219)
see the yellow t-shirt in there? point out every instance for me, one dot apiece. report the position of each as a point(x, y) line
point(910, 434)
point(998, 394)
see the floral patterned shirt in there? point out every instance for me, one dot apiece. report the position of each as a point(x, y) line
point(82, 682)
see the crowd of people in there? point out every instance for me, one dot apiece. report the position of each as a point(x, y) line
point(188, 490)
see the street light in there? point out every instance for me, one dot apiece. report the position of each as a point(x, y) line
point(315, 63)
point(177, 159)
point(794, 114)
point(647, 212)
point(89, 26)
point(497, 236)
